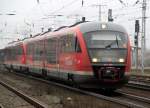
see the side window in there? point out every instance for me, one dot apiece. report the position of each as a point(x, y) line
point(18, 50)
point(30, 49)
point(77, 45)
point(38, 50)
point(13, 53)
point(8, 54)
point(51, 45)
point(2, 56)
point(35, 51)
point(69, 43)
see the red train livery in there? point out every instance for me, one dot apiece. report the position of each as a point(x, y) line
point(91, 54)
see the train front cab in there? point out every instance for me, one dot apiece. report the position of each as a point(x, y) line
point(105, 58)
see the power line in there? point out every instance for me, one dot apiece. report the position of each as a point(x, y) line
point(69, 4)
point(122, 2)
point(125, 8)
point(124, 14)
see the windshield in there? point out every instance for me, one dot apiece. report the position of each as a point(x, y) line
point(106, 46)
point(105, 39)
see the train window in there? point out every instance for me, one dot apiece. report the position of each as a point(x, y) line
point(77, 45)
point(38, 50)
point(69, 43)
point(12, 53)
point(30, 49)
point(17, 50)
point(103, 39)
point(2, 56)
point(8, 54)
point(51, 45)
point(20, 50)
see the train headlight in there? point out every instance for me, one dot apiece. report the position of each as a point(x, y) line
point(121, 60)
point(94, 60)
point(103, 26)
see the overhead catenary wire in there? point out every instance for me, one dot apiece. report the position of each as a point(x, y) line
point(73, 2)
point(122, 2)
point(69, 4)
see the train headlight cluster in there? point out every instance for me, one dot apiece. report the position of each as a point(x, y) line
point(94, 60)
point(121, 60)
point(103, 26)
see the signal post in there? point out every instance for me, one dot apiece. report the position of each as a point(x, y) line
point(136, 42)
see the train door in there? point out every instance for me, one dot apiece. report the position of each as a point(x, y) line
point(66, 54)
point(58, 52)
point(38, 56)
point(51, 45)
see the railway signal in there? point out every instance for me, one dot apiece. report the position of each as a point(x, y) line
point(110, 19)
point(136, 32)
point(136, 42)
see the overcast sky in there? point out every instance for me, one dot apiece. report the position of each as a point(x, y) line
point(32, 15)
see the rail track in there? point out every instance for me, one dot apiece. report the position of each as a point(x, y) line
point(1, 106)
point(134, 98)
point(144, 79)
point(32, 101)
point(139, 82)
point(144, 99)
point(139, 85)
point(123, 99)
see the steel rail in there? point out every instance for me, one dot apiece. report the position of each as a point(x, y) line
point(107, 98)
point(138, 85)
point(140, 76)
point(31, 100)
point(140, 80)
point(145, 80)
point(1, 106)
point(140, 98)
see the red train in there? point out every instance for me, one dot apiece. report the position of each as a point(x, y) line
point(90, 54)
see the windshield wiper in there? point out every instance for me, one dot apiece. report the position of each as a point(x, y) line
point(115, 41)
point(109, 45)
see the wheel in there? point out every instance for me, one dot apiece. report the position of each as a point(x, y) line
point(108, 91)
point(44, 73)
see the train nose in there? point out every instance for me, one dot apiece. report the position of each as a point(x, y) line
point(108, 73)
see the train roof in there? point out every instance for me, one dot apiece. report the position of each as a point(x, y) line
point(14, 43)
point(48, 34)
point(83, 26)
point(95, 26)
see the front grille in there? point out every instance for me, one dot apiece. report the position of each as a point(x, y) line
point(108, 73)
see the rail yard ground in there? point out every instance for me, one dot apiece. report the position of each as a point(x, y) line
point(55, 97)
point(139, 72)
point(10, 100)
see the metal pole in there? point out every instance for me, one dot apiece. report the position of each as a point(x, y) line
point(136, 41)
point(99, 12)
point(136, 52)
point(143, 42)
